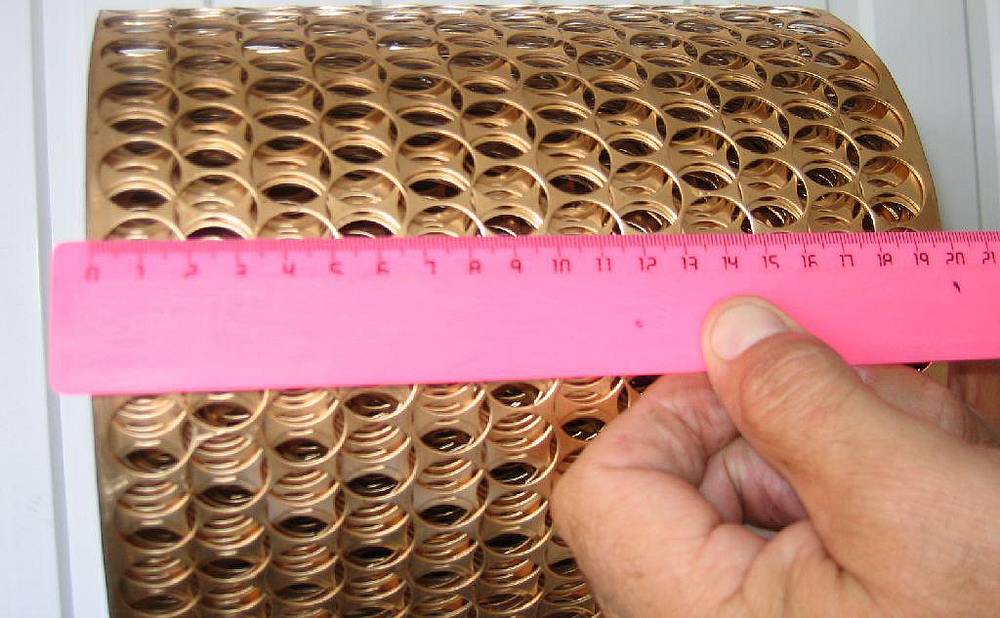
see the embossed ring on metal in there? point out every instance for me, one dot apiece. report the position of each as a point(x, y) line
point(432, 500)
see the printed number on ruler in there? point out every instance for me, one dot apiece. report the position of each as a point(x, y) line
point(559, 255)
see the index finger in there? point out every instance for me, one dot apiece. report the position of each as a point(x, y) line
point(630, 510)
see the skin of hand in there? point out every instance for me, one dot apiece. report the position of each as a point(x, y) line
point(881, 486)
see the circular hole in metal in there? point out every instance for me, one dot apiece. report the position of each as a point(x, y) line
point(344, 61)
point(775, 212)
point(868, 110)
point(893, 208)
point(370, 556)
point(549, 61)
point(702, 143)
point(517, 394)
point(770, 175)
point(514, 473)
point(373, 404)
point(584, 428)
point(707, 176)
point(373, 485)
point(285, 89)
point(222, 413)
point(158, 603)
point(284, 120)
point(302, 526)
point(583, 217)
point(435, 187)
point(443, 514)
point(828, 173)
point(683, 82)
point(138, 125)
point(142, 228)
point(508, 542)
point(302, 450)
point(426, 86)
point(576, 182)
point(294, 224)
point(216, 232)
point(714, 213)
point(648, 217)
point(549, 83)
point(888, 172)
point(365, 229)
point(358, 153)
point(759, 141)
point(150, 460)
point(811, 110)
point(689, 111)
point(373, 190)
point(510, 225)
point(226, 496)
point(439, 220)
point(751, 110)
point(500, 147)
point(139, 199)
point(211, 120)
point(212, 158)
point(211, 65)
point(561, 114)
point(446, 439)
point(640, 178)
point(834, 211)
point(290, 193)
point(634, 145)
point(436, 149)
point(824, 140)
point(348, 88)
point(427, 116)
point(302, 592)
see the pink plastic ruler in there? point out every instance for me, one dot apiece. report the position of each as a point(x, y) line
point(133, 317)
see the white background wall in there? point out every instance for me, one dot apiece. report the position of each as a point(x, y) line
point(945, 55)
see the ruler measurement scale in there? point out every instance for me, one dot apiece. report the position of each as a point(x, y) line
point(143, 317)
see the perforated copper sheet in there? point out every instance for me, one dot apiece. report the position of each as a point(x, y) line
point(432, 500)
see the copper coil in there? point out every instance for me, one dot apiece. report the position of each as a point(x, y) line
point(383, 594)
point(228, 535)
point(159, 587)
point(306, 578)
point(376, 538)
point(150, 436)
point(155, 518)
point(564, 583)
point(223, 413)
point(432, 500)
point(305, 508)
point(305, 431)
point(450, 506)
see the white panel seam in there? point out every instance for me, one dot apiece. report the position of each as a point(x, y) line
point(972, 111)
point(992, 16)
point(44, 248)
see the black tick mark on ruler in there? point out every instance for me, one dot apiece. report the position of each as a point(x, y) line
point(957, 287)
point(639, 324)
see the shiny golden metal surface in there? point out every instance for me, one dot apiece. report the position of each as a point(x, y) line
point(432, 500)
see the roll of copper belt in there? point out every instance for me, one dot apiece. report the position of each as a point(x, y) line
point(432, 500)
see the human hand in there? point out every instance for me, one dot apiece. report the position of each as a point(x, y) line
point(882, 485)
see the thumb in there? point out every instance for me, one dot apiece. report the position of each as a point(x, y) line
point(871, 477)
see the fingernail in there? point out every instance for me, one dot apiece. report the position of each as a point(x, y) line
point(741, 325)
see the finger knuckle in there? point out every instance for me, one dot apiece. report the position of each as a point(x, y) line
point(792, 379)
